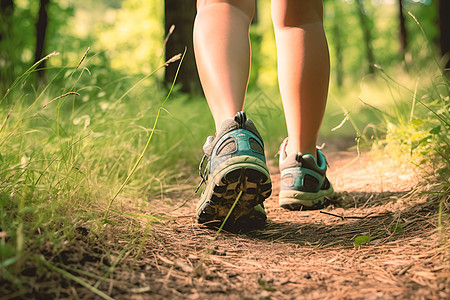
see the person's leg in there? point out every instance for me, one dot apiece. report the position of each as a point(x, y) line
point(303, 69)
point(236, 162)
point(222, 52)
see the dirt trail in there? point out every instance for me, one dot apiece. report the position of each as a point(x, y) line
point(309, 254)
point(298, 255)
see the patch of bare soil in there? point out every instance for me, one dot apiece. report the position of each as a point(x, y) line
point(297, 255)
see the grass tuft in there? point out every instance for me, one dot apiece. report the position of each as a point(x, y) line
point(67, 146)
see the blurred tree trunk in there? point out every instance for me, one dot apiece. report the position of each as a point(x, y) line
point(182, 15)
point(255, 19)
point(444, 26)
point(256, 40)
point(337, 39)
point(6, 12)
point(402, 30)
point(364, 20)
point(41, 30)
point(6, 57)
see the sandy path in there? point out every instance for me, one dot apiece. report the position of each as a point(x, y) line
point(308, 254)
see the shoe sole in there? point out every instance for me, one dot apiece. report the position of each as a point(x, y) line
point(297, 200)
point(240, 173)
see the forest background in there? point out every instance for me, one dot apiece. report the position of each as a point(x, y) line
point(92, 118)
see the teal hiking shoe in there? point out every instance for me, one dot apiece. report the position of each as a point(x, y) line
point(304, 184)
point(235, 162)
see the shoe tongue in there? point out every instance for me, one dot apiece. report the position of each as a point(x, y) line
point(309, 161)
point(239, 121)
point(298, 160)
point(227, 126)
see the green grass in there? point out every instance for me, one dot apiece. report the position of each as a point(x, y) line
point(419, 125)
point(66, 150)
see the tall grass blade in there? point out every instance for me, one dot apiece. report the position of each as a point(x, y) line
point(429, 45)
point(413, 105)
point(388, 78)
point(116, 262)
point(76, 279)
point(228, 215)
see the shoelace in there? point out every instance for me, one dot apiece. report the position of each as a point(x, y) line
point(202, 175)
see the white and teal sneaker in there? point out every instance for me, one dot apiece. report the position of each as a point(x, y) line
point(304, 184)
point(235, 162)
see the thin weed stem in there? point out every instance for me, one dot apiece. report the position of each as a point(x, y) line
point(26, 73)
point(59, 97)
point(8, 115)
point(151, 134)
point(84, 56)
point(171, 30)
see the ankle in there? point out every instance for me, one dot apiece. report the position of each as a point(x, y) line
point(220, 119)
